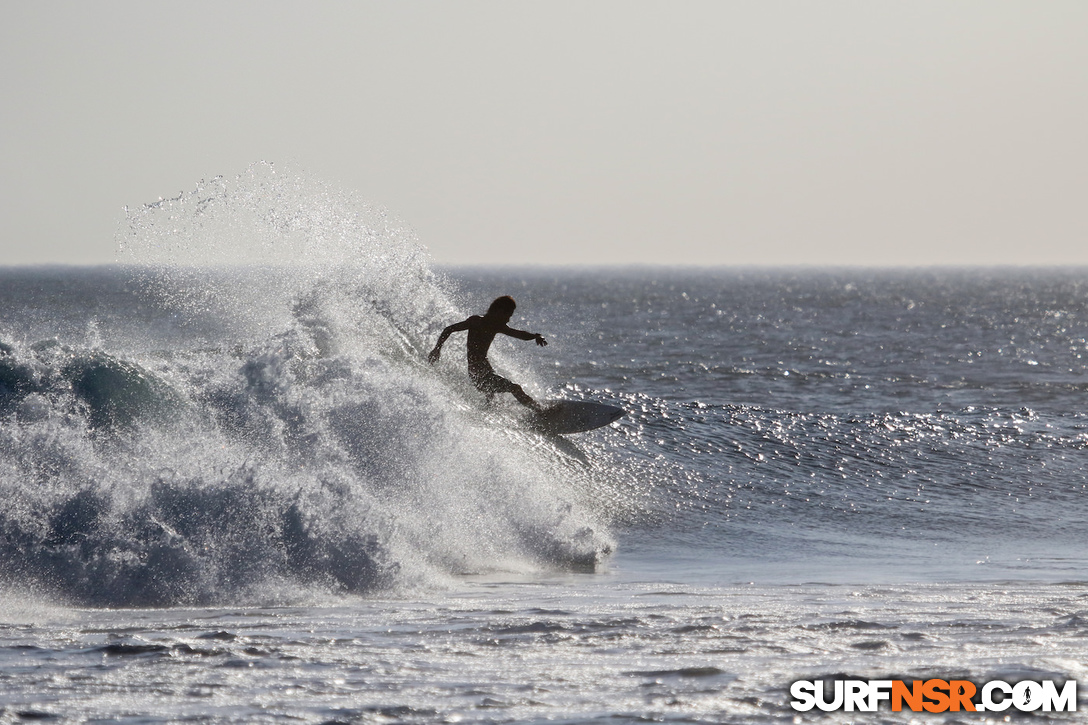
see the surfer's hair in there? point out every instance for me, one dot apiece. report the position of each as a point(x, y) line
point(502, 306)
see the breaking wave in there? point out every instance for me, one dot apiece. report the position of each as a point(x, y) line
point(268, 432)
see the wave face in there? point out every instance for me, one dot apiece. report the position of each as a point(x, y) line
point(186, 431)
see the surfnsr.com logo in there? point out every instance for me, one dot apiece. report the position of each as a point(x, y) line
point(933, 695)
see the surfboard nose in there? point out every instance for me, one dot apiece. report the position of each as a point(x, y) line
point(576, 416)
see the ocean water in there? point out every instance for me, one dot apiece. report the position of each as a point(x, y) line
point(234, 491)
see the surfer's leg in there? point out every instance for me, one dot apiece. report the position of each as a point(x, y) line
point(523, 398)
point(494, 383)
point(520, 395)
point(485, 382)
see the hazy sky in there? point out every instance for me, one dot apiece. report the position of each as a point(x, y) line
point(554, 132)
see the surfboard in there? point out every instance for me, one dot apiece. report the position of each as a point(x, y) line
point(574, 416)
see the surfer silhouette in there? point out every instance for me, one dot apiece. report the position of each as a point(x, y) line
point(481, 333)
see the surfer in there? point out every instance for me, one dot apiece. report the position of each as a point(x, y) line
point(481, 333)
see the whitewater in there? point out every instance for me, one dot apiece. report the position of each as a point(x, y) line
point(235, 491)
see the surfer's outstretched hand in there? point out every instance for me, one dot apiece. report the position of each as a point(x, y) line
point(433, 355)
point(540, 340)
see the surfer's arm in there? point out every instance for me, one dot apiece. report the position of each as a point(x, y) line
point(523, 335)
point(437, 351)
